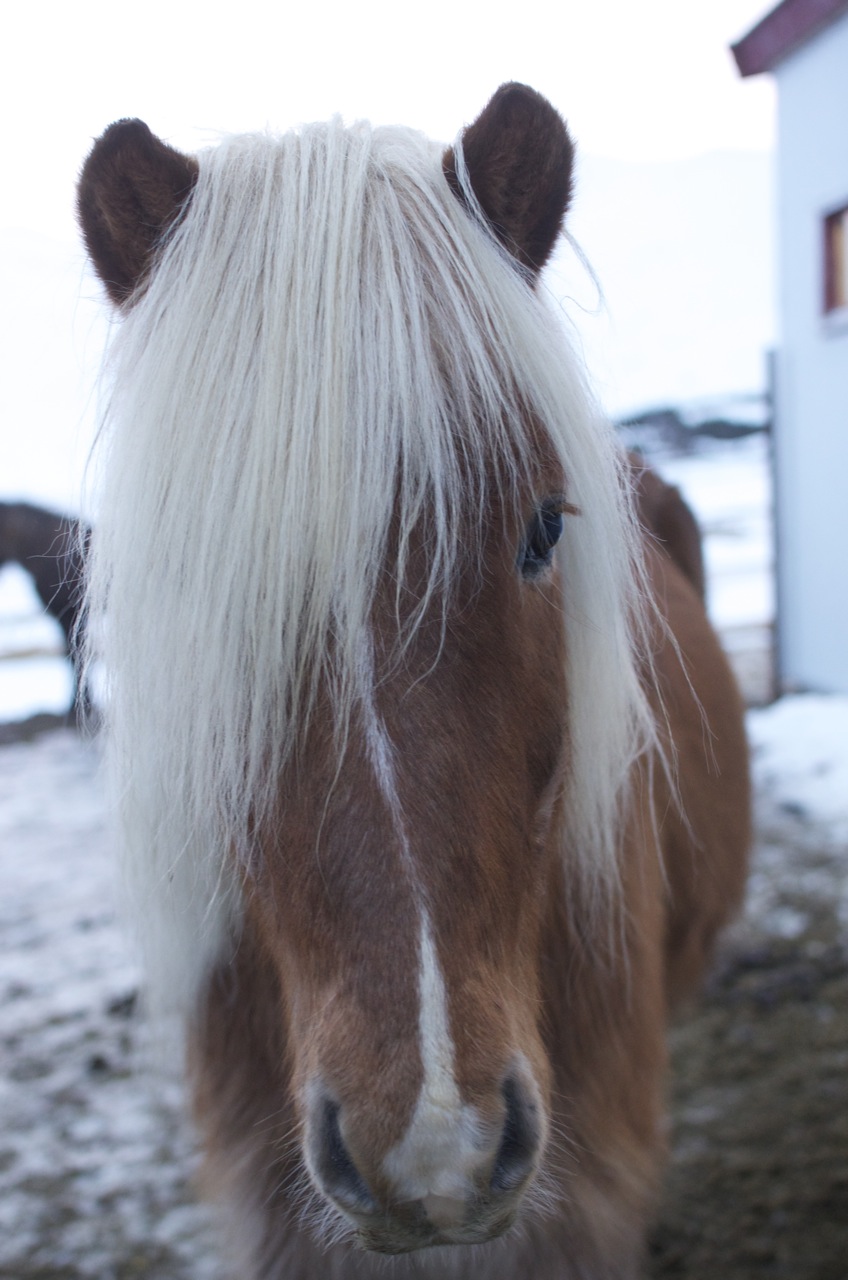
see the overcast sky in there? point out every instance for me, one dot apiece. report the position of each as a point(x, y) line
point(636, 79)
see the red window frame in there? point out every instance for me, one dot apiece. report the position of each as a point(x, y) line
point(836, 260)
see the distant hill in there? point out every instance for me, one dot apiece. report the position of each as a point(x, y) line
point(682, 429)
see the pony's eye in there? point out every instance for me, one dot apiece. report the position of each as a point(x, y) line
point(543, 533)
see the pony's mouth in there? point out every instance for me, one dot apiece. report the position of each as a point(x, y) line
point(422, 1225)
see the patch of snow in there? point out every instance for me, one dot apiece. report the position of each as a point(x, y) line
point(25, 627)
point(30, 685)
point(800, 757)
point(35, 674)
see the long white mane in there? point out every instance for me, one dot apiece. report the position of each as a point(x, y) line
point(329, 347)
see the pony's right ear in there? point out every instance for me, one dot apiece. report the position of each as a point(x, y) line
point(131, 189)
point(519, 160)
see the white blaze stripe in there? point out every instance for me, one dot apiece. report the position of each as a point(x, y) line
point(437, 1055)
point(441, 1147)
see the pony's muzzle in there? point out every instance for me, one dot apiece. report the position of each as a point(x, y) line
point(473, 1197)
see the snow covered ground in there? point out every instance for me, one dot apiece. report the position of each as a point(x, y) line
point(800, 755)
point(95, 1156)
point(96, 1161)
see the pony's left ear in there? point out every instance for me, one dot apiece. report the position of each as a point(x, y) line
point(131, 190)
point(519, 158)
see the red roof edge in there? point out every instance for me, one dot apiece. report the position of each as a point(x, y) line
point(781, 32)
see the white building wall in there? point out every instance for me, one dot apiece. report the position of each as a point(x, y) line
point(811, 437)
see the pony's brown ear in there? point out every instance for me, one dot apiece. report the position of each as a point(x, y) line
point(519, 158)
point(131, 189)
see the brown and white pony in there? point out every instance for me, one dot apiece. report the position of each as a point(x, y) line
point(432, 775)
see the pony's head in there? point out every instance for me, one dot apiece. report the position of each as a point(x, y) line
point(364, 570)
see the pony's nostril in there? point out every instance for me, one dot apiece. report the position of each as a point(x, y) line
point(337, 1173)
point(521, 1136)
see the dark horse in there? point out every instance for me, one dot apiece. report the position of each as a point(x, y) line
point(432, 773)
point(51, 548)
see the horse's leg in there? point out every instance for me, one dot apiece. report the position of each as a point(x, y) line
point(606, 1016)
point(705, 833)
